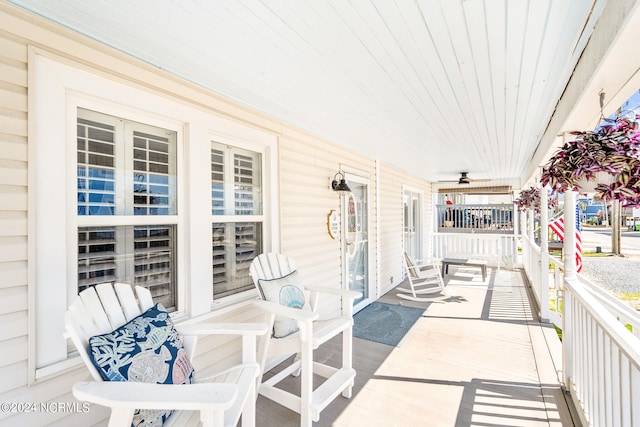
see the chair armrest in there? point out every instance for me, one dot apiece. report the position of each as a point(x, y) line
point(223, 329)
point(132, 395)
point(427, 261)
point(281, 310)
point(334, 291)
point(422, 267)
point(247, 331)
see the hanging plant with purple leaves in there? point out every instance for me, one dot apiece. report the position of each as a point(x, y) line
point(530, 199)
point(613, 149)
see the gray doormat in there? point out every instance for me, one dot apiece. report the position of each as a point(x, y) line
point(385, 323)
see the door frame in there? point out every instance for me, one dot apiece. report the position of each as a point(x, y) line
point(361, 179)
point(420, 216)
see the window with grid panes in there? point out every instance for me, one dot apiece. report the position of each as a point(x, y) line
point(237, 209)
point(126, 174)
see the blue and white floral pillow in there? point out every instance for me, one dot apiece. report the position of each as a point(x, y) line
point(146, 349)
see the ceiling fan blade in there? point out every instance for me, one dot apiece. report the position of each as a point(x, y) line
point(464, 179)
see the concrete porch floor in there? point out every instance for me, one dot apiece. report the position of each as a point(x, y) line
point(478, 358)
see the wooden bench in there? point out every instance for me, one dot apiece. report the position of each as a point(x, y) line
point(556, 246)
point(467, 262)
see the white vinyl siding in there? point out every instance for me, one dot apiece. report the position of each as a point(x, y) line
point(392, 185)
point(307, 167)
point(14, 290)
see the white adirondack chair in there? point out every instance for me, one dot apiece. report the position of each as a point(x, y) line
point(424, 279)
point(220, 401)
point(312, 333)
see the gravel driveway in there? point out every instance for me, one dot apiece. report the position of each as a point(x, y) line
point(616, 274)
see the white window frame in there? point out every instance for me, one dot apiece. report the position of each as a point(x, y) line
point(124, 202)
point(229, 196)
point(57, 89)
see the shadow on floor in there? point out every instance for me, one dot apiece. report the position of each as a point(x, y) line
point(468, 361)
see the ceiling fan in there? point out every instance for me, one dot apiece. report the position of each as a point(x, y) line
point(464, 179)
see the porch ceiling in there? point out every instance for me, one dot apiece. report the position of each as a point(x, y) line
point(431, 87)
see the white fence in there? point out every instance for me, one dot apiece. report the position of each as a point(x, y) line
point(498, 249)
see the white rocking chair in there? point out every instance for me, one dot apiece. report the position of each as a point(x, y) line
point(424, 279)
point(310, 333)
point(218, 402)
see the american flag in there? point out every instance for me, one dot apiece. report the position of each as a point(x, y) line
point(558, 227)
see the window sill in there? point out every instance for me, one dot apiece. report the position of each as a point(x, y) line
point(222, 307)
point(56, 369)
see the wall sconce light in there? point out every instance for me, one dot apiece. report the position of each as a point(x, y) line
point(341, 186)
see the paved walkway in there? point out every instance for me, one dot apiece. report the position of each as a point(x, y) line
point(479, 358)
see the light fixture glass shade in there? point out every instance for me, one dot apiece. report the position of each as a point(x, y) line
point(341, 186)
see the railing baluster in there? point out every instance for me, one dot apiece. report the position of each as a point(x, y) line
point(616, 409)
point(625, 398)
point(490, 218)
point(635, 395)
point(602, 360)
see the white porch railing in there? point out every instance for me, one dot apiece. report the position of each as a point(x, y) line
point(601, 360)
point(482, 218)
point(601, 340)
point(545, 283)
point(497, 249)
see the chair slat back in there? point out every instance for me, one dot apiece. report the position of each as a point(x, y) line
point(144, 298)
point(94, 308)
point(101, 309)
point(411, 266)
point(111, 305)
point(128, 303)
point(271, 266)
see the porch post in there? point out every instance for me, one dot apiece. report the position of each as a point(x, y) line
point(544, 256)
point(544, 219)
point(531, 237)
point(569, 246)
point(570, 273)
point(515, 216)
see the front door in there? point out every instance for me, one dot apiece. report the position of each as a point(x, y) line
point(412, 201)
point(356, 238)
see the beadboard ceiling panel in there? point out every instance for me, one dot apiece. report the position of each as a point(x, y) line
point(433, 87)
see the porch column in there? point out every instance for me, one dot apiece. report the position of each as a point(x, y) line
point(569, 246)
point(570, 273)
point(515, 216)
point(544, 219)
point(531, 237)
point(544, 256)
